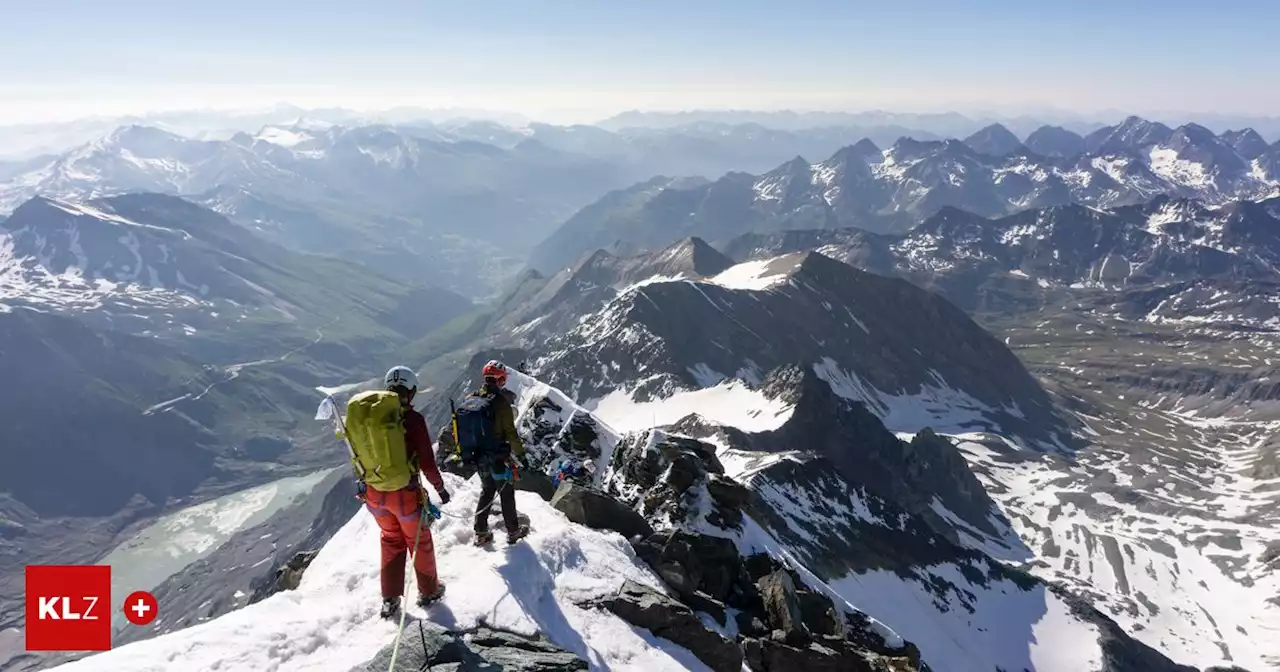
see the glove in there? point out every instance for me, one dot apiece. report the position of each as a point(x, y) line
point(362, 492)
point(444, 497)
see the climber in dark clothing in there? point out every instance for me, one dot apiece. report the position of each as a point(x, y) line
point(496, 471)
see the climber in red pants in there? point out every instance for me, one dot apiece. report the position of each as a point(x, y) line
point(401, 512)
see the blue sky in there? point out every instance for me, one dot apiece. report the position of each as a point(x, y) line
point(62, 57)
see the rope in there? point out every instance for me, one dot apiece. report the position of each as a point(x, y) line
point(496, 494)
point(395, 650)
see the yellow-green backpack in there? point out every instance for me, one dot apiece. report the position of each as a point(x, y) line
point(375, 430)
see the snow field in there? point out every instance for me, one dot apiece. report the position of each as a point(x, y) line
point(730, 403)
point(758, 275)
point(331, 621)
point(1158, 584)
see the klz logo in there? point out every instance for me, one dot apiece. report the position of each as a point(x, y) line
point(68, 608)
point(49, 609)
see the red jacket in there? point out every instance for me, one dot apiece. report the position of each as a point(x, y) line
point(418, 441)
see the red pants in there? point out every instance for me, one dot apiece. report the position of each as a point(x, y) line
point(399, 514)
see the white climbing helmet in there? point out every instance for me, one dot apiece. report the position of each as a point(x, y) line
point(400, 376)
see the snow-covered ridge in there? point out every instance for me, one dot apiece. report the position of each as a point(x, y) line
point(542, 584)
point(331, 621)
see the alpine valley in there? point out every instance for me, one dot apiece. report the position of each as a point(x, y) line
point(994, 403)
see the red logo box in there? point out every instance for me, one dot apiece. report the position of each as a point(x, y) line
point(68, 607)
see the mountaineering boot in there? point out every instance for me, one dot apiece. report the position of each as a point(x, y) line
point(390, 607)
point(483, 538)
point(427, 599)
point(517, 534)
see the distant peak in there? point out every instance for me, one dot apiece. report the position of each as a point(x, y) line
point(694, 255)
point(797, 164)
point(996, 128)
point(861, 150)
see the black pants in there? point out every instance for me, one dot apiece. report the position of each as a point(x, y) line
point(488, 487)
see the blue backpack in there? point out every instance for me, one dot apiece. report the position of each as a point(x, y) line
point(475, 429)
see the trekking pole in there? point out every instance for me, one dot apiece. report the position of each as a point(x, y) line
point(328, 410)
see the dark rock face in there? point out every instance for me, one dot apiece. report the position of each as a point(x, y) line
point(1247, 142)
point(425, 647)
point(534, 480)
point(599, 511)
point(646, 608)
point(909, 475)
point(663, 476)
point(287, 577)
point(821, 655)
point(782, 605)
point(696, 563)
point(819, 614)
point(858, 630)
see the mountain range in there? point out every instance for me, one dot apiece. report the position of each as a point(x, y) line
point(980, 403)
point(400, 197)
point(395, 197)
point(894, 189)
point(901, 461)
point(811, 465)
point(1086, 474)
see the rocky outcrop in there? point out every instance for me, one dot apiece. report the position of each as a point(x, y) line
point(782, 625)
point(595, 509)
point(819, 614)
point(287, 577)
point(699, 568)
point(827, 654)
point(535, 481)
point(911, 475)
point(676, 479)
point(782, 606)
point(646, 608)
point(425, 647)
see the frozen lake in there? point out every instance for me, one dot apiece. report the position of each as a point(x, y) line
point(169, 545)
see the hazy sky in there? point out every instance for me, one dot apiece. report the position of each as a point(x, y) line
point(583, 60)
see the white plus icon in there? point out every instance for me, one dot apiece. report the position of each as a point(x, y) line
point(138, 607)
point(141, 608)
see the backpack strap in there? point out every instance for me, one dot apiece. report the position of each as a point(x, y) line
point(453, 420)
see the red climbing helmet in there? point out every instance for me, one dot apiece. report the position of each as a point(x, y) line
point(495, 371)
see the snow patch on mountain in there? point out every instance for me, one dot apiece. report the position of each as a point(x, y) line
point(758, 275)
point(940, 407)
point(652, 280)
point(731, 403)
point(1171, 212)
point(331, 620)
point(29, 280)
point(1157, 562)
point(971, 631)
point(1165, 163)
point(283, 136)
